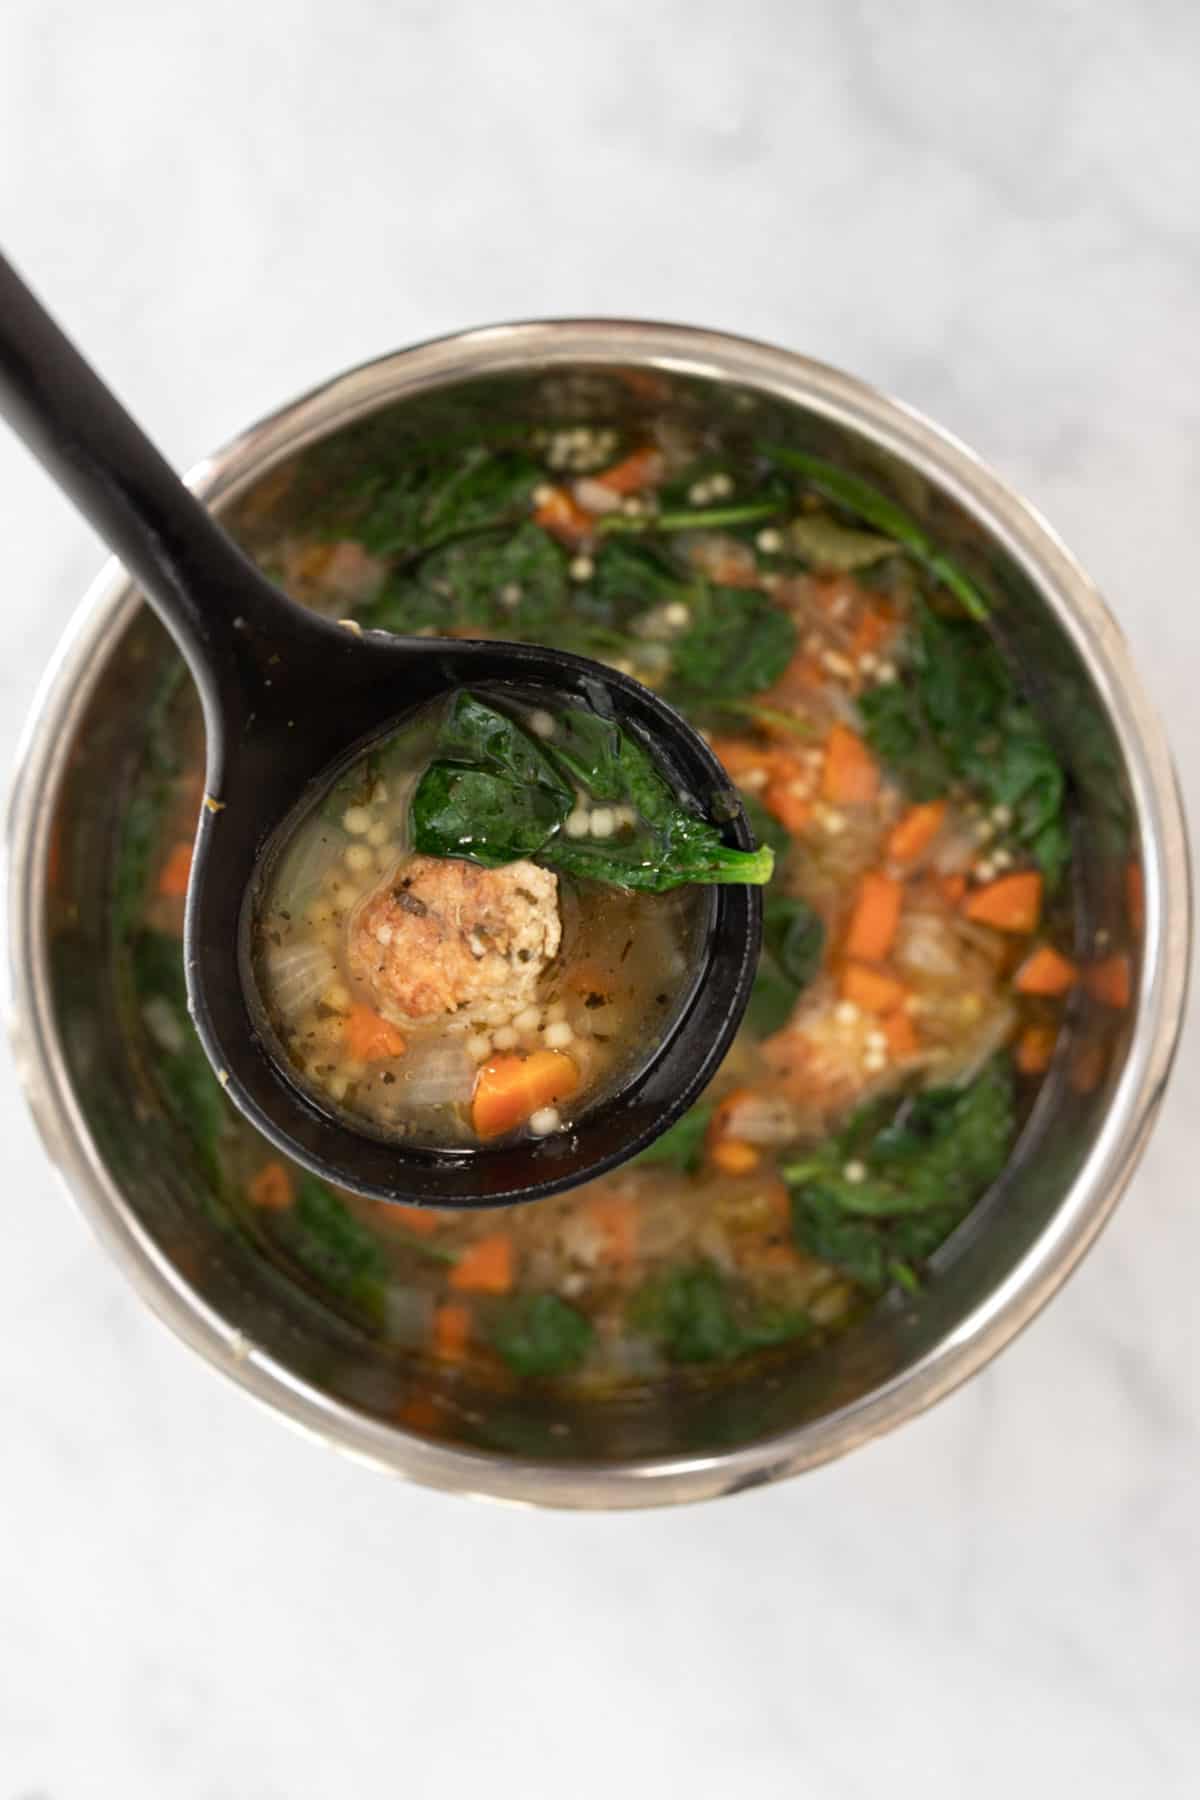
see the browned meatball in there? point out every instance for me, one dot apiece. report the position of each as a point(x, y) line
point(445, 934)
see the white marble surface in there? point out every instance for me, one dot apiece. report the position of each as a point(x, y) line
point(990, 210)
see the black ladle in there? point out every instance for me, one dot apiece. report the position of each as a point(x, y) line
point(286, 696)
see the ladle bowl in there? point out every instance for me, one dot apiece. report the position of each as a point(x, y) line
point(287, 695)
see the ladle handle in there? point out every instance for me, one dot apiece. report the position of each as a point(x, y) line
point(196, 579)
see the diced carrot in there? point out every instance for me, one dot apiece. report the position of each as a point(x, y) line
point(734, 1156)
point(875, 917)
point(421, 1414)
point(740, 756)
point(562, 516)
point(871, 989)
point(793, 810)
point(1035, 1047)
point(1111, 981)
point(1135, 897)
point(835, 594)
point(451, 1330)
point(485, 1267)
point(901, 1035)
point(873, 629)
point(850, 776)
point(1088, 1067)
point(735, 572)
point(1046, 971)
point(415, 1221)
point(175, 873)
point(953, 889)
point(725, 1109)
point(509, 1089)
point(803, 676)
point(771, 1259)
point(1013, 903)
point(778, 1197)
point(641, 468)
point(916, 831)
point(647, 385)
point(368, 1036)
point(615, 1217)
point(271, 1188)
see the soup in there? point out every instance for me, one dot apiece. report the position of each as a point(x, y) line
point(425, 974)
point(919, 946)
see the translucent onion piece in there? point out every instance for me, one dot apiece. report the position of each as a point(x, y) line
point(438, 1076)
point(164, 1024)
point(315, 848)
point(296, 976)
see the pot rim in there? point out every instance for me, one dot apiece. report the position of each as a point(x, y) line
point(111, 602)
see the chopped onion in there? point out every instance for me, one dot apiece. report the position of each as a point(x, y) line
point(408, 1316)
point(296, 975)
point(304, 865)
point(441, 1076)
point(164, 1024)
point(929, 946)
point(991, 1034)
point(633, 1356)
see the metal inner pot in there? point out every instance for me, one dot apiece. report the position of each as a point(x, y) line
point(694, 1435)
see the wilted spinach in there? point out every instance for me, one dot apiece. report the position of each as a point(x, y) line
point(321, 1234)
point(427, 498)
point(793, 940)
point(738, 642)
point(957, 715)
point(494, 793)
point(696, 1314)
point(539, 1334)
point(878, 1198)
point(516, 582)
point(857, 496)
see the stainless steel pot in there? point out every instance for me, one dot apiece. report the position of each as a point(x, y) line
point(692, 1439)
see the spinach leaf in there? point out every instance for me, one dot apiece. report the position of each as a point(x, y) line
point(187, 1080)
point(322, 1235)
point(696, 1314)
point(859, 497)
point(632, 578)
point(491, 794)
point(739, 642)
point(793, 936)
point(514, 583)
point(681, 1146)
point(424, 500)
point(957, 716)
point(887, 1190)
point(539, 1334)
point(494, 793)
point(488, 819)
point(793, 941)
point(684, 851)
point(904, 740)
point(478, 737)
point(765, 826)
point(687, 1312)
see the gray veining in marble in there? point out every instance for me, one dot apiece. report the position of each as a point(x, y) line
point(990, 210)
